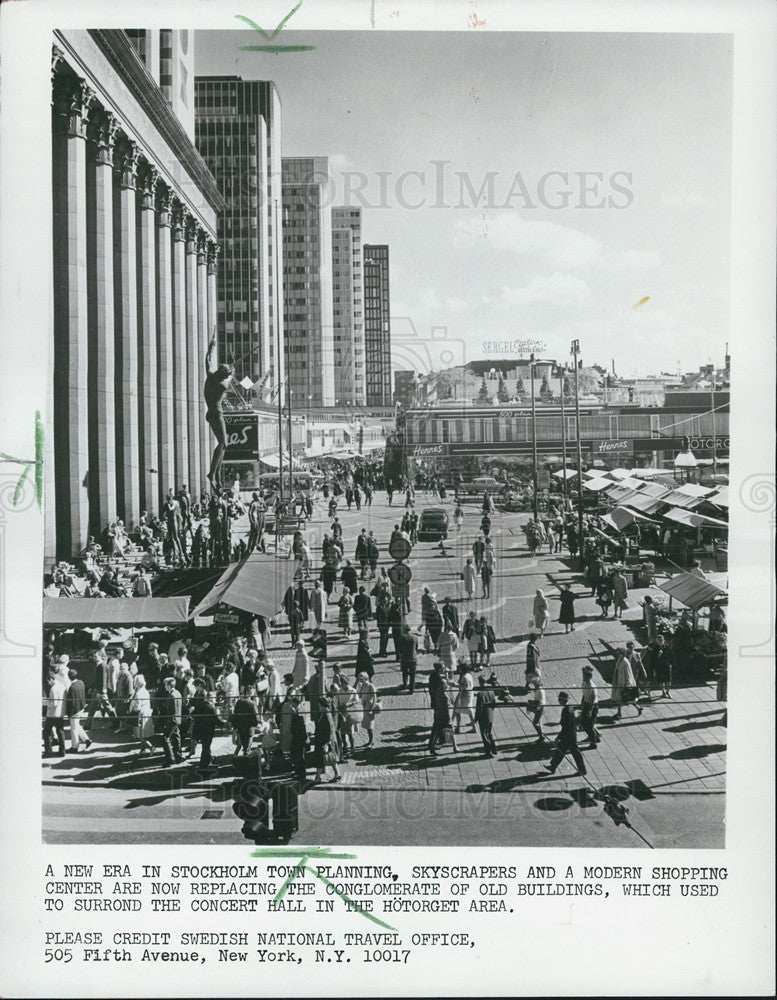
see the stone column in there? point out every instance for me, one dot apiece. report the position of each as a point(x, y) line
point(125, 280)
point(212, 308)
point(147, 341)
point(102, 369)
point(202, 321)
point(68, 422)
point(193, 353)
point(164, 317)
point(180, 391)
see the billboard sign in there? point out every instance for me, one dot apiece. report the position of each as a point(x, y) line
point(242, 437)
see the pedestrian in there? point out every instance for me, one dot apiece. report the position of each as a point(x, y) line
point(458, 518)
point(620, 591)
point(624, 687)
point(471, 634)
point(167, 716)
point(318, 604)
point(536, 704)
point(325, 741)
point(301, 672)
point(396, 621)
point(408, 659)
point(319, 645)
point(329, 577)
point(441, 707)
point(469, 579)
point(368, 696)
point(140, 706)
point(638, 669)
point(487, 644)
point(485, 575)
point(124, 691)
point(450, 615)
point(75, 708)
point(382, 622)
point(604, 595)
point(662, 666)
point(484, 717)
point(566, 614)
point(721, 693)
point(345, 617)
point(297, 742)
point(540, 608)
point(295, 623)
point(649, 615)
point(478, 550)
point(364, 663)
point(205, 720)
point(245, 719)
point(589, 707)
point(447, 648)
point(464, 705)
point(567, 739)
point(532, 655)
point(373, 553)
point(362, 608)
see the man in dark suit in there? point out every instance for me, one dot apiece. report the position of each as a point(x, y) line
point(204, 722)
point(567, 738)
point(167, 715)
point(532, 656)
point(450, 615)
point(408, 658)
point(441, 706)
point(484, 716)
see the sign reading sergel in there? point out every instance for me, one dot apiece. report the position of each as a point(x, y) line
point(242, 436)
point(608, 447)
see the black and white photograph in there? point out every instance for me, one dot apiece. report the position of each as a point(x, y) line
point(376, 462)
point(390, 450)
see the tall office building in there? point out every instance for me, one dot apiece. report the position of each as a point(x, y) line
point(238, 132)
point(377, 325)
point(348, 308)
point(134, 212)
point(169, 57)
point(307, 275)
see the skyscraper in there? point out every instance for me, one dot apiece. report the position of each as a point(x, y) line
point(307, 271)
point(348, 308)
point(169, 57)
point(238, 133)
point(377, 325)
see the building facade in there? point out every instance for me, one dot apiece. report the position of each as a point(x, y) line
point(238, 133)
point(134, 211)
point(169, 57)
point(348, 306)
point(307, 276)
point(377, 325)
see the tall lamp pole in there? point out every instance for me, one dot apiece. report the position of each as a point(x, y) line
point(575, 352)
point(288, 426)
point(276, 223)
point(712, 413)
point(534, 441)
point(564, 488)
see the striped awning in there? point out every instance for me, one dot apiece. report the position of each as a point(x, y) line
point(70, 612)
point(693, 520)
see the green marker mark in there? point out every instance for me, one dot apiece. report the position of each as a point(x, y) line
point(36, 463)
point(304, 855)
point(275, 49)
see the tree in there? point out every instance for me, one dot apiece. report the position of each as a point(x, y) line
point(483, 394)
point(546, 393)
point(501, 393)
point(567, 386)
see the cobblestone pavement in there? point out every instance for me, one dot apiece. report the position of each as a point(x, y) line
point(676, 745)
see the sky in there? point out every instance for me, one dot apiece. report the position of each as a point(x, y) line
point(530, 186)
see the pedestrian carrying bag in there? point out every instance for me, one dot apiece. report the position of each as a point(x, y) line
point(446, 736)
point(427, 643)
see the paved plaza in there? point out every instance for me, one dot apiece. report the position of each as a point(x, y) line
point(667, 765)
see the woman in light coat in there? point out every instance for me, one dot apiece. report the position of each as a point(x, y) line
point(465, 700)
point(368, 696)
point(141, 706)
point(540, 612)
point(624, 686)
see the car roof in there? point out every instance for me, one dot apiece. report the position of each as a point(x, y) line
point(433, 510)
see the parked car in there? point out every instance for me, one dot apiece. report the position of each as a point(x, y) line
point(433, 525)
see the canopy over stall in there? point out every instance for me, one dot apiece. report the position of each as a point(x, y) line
point(87, 612)
point(597, 484)
point(622, 517)
point(257, 585)
point(565, 473)
point(692, 591)
point(693, 520)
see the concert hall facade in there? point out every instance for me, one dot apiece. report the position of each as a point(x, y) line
point(135, 253)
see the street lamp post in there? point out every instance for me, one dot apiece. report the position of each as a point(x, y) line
point(575, 352)
point(279, 388)
point(712, 414)
point(534, 440)
point(564, 488)
point(288, 427)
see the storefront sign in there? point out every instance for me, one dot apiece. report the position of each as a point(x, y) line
point(242, 436)
point(430, 450)
point(611, 447)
